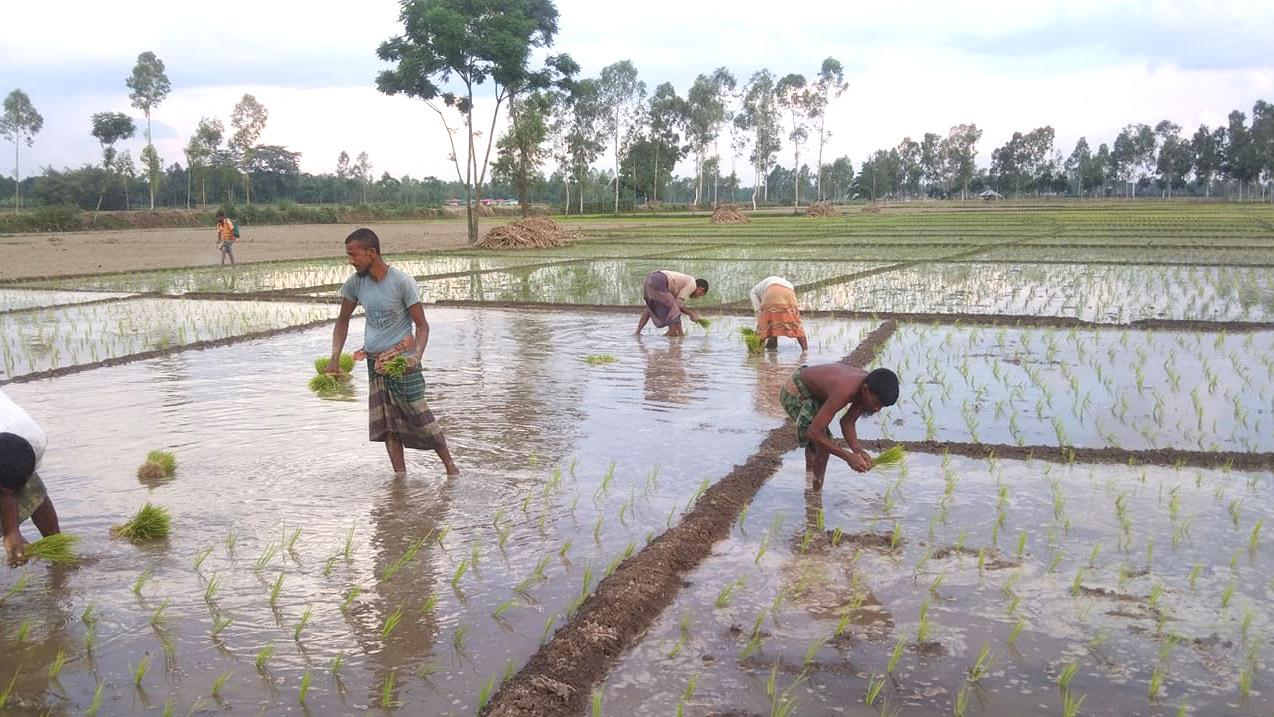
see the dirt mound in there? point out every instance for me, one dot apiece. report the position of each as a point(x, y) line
point(821, 209)
point(728, 214)
point(529, 233)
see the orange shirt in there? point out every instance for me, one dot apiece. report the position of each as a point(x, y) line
point(225, 230)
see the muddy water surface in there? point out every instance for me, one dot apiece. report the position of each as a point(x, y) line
point(565, 466)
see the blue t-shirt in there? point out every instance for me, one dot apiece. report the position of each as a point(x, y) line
point(386, 303)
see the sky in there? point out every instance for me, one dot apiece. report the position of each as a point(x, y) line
point(1086, 68)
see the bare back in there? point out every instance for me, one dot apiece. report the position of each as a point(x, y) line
point(835, 383)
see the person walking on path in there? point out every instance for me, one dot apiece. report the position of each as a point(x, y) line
point(666, 293)
point(22, 493)
point(227, 233)
point(815, 394)
point(398, 415)
point(774, 301)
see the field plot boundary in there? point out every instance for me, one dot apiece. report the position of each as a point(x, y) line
point(1237, 460)
point(129, 297)
point(626, 603)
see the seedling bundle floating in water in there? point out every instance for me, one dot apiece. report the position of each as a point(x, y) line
point(752, 339)
point(57, 549)
point(596, 359)
point(158, 465)
point(152, 522)
point(324, 383)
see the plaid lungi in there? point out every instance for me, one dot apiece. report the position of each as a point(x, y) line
point(30, 497)
point(801, 406)
point(397, 407)
point(779, 315)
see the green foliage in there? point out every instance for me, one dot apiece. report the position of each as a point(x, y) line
point(58, 549)
point(165, 460)
point(396, 367)
point(596, 359)
point(752, 339)
point(346, 363)
point(891, 456)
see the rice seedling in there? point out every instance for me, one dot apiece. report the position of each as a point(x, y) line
point(300, 625)
point(263, 655)
point(55, 667)
point(874, 686)
point(811, 652)
point(337, 661)
point(459, 636)
point(139, 670)
point(503, 608)
point(430, 604)
point(210, 590)
point(267, 554)
point(1245, 681)
point(1156, 682)
point(24, 630)
point(141, 580)
point(391, 621)
point(408, 555)
point(165, 460)
point(157, 616)
point(218, 682)
point(595, 700)
point(925, 628)
point(346, 363)
point(350, 596)
point(461, 569)
point(276, 589)
point(548, 627)
point(599, 359)
point(219, 624)
point(57, 549)
point(201, 556)
point(96, 704)
point(752, 340)
point(485, 692)
point(1254, 538)
point(1071, 704)
point(151, 522)
point(396, 367)
point(1067, 674)
point(981, 666)
point(961, 702)
point(349, 543)
point(387, 689)
point(896, 655)
point(305, 687)
point(1227, 593)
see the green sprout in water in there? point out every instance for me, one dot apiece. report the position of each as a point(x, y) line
point(219, 682)
point(263, 655)
point(139, 671)
point(598, 359)
point(391, 621)
point(165, 460)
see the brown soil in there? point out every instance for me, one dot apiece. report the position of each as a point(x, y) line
point(529, 233)
point(992, 559)
point(873, 209)
point(821, 209)
point(625, 604)
point(728, 214)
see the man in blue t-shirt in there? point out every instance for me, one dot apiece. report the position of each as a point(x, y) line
point(397, 413)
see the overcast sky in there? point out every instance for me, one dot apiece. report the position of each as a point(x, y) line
point(1086, 68)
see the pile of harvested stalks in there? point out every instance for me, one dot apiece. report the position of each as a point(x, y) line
point(728, 214)
point(529, 233)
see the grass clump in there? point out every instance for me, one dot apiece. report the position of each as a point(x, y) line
point(151, 522)
point(753, 340)
point(891, 456)
point(165, 460)
point(58, 549)
point(597, 359)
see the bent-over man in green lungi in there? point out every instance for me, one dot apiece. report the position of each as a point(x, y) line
point(398, 415)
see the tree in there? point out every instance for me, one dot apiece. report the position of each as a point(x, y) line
point(877, 177)
point(641, 172)
point(1263, 141)
point(909, 164)
point(759, 116)
point(248, 120)
point(124, 165)
point(363, 172)
point(109, 128)
point(959, 150)
point(668, 115)
point(795, 96)
point(520, 148)
point(148, 86)
point(154, 171)
point(705, 112)
point(1175, 156)
point(1085, 169)
point(200, 149)
point(472, 42)
point(19, 123)
point(830, 85)
point(840, 176)
point(931, 159)
point(584, 132)
point(622, 95)
point(1133, 155)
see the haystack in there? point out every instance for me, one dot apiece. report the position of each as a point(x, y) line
point(728, 214)
point(529, 233)
point(820, 209)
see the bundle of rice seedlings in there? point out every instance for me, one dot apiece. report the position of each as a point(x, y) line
point(891, 456)
point(324, 383)
point(152, 522)
point(595, 359)
point(752, 339)
point(57, 549)
point(165, 460)
point(705, 323)
point(150, 471)
point(396, 367)
point(346, 362)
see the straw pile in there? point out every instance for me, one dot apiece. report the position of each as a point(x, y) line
point(728, 214)
point(529, 233)
point(820, 209)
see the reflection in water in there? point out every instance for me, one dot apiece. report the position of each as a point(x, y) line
point(772, 371)
point(408, 513)
point(666, 379)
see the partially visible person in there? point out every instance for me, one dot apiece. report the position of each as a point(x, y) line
point(227, 233)
point(815, 394)
point(774, 301)
point(666, 293)
point(398, 415)
point(22, 493)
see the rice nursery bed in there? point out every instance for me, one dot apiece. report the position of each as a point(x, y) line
point(443, 586)
point(1101, 293)
point(19, 299)
point(957, 586)
point(248, 278)
point(59, 337)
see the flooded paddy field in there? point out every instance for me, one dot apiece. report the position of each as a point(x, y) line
point(954, 586)
point(302, 577)
point(559, 481)
point(19, 299)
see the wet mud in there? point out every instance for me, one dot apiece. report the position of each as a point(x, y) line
point(556, 679)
